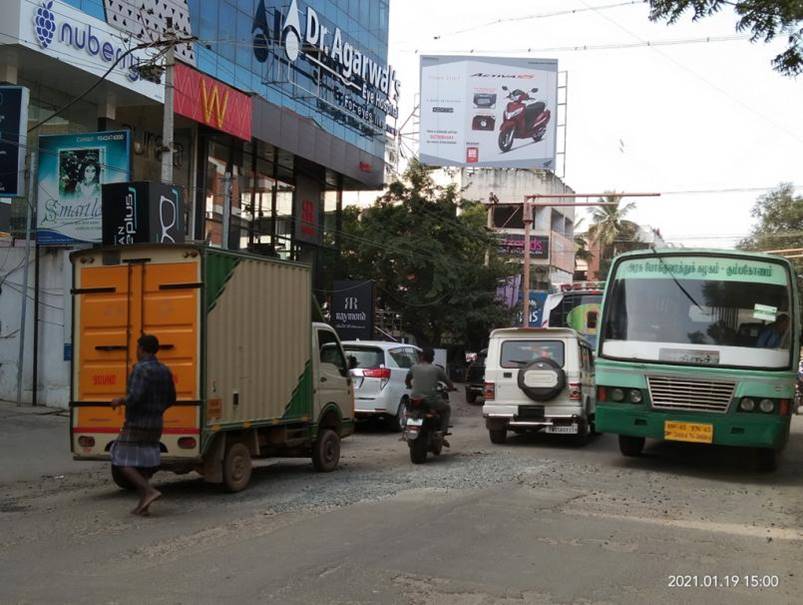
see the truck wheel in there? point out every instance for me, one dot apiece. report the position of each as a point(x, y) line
point(236, 467)
point(418, 449)
point(471, 397)
point(120, 479)
point(766, 459)
point(326, 451)
point(631, 446)
point(498, 435)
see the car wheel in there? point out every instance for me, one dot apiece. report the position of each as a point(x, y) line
point(400, 419)
point(236, 467)
point(326, 451)
point(631, 446)
point(584, 433)
point(498, 435)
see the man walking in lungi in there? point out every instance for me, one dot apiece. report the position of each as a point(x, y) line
point(136, 451)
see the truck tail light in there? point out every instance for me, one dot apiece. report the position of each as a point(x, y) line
point(187, 443)
point(85, 441)
point(489, 393)
point(574, 391)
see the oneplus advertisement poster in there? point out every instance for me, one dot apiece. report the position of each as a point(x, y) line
point(488, 112)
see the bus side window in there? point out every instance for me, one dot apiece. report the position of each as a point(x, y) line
point(591, 320)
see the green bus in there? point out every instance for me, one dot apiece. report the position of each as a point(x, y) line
point(700, 346)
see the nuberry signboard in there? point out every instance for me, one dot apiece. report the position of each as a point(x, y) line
point(66, 34)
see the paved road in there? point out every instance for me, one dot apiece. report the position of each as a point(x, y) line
point(538, 520)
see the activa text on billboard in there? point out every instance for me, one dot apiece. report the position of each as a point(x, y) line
point(486, 111)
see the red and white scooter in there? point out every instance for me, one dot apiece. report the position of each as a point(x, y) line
point(522, 120)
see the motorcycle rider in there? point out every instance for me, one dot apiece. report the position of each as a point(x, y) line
point(423, 379)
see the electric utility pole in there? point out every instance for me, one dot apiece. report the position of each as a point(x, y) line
point(167, 126)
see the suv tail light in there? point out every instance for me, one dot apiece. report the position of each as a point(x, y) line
point(489, 393)
point(574, 391)
point(382, 373)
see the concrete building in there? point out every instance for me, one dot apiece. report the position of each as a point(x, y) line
point(552, 242)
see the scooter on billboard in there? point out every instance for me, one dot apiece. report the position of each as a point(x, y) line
point(522, 120)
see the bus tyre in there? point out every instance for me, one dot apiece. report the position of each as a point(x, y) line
point(236, 467)
point(326, 451)
point(766, 459)
point(498, 435)
point(120, 479)
point(631, 446)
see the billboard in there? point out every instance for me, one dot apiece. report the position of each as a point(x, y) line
point(512, 244)
point(141, 212)
point(488, 111)
point(353, 309)
point(13, 139)
point(72, 170)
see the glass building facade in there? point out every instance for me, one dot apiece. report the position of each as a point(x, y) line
point(226, 32)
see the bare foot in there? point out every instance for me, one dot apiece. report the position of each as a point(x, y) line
point(142, 509)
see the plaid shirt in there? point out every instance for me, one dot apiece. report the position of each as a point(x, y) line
point(150, 392)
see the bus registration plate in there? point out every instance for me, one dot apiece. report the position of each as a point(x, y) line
point(688, 431)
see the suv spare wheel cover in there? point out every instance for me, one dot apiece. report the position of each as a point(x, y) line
point(542, 379)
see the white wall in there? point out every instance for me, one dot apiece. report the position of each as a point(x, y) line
point(55, 280)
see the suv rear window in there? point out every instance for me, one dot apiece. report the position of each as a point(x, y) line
point(367, 357)
point(518, 353)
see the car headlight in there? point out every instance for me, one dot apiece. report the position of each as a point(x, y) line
point(635, 396)
point(767, 406)
point(747, 405)
point(617, 394)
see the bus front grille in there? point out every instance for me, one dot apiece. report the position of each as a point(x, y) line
point(669, 393)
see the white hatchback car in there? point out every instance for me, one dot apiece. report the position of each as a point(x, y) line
point(539, 378)
point(379, 373)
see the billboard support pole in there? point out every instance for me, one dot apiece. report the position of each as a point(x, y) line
point(528, 220)
point(24, 305)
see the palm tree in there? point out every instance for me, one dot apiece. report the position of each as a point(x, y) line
point(609, 225)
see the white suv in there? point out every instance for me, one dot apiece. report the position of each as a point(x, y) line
point(379, 373)
point(539, 378)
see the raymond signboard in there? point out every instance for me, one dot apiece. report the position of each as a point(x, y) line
point(13, 126)
point(209, 101)
point(353, 309)
point(140, 212)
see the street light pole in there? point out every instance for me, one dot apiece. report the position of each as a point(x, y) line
point(167, 126)
point(29, 213)
point(525, 281)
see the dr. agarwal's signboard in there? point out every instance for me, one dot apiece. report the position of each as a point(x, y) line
point(72, 171)
point(488, 112)
point(362, 88)
point(66, 34)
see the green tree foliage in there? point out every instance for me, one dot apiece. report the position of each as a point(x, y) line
point(765, 19)
point(424, 247)
point(611, 230)
point(779, 224)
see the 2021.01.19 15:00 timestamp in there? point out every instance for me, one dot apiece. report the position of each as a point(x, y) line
point(726, 581)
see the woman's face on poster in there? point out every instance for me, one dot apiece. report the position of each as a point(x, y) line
point(90, 173)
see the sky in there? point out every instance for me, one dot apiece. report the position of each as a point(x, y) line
point(676, 119)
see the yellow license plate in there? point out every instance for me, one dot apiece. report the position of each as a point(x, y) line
point(688, 431)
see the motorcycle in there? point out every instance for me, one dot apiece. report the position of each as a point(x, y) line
point(522, 120)
point(422, 431)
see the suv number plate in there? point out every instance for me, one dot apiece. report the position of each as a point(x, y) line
point(566, 429)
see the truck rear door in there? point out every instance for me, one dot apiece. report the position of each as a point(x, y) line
point(114, 305)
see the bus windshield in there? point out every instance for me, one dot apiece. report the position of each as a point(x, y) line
point(703, 310)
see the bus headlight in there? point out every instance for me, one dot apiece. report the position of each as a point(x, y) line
point(634, 395)
point(747, 405)
point(617, 395)
point(767, 406)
